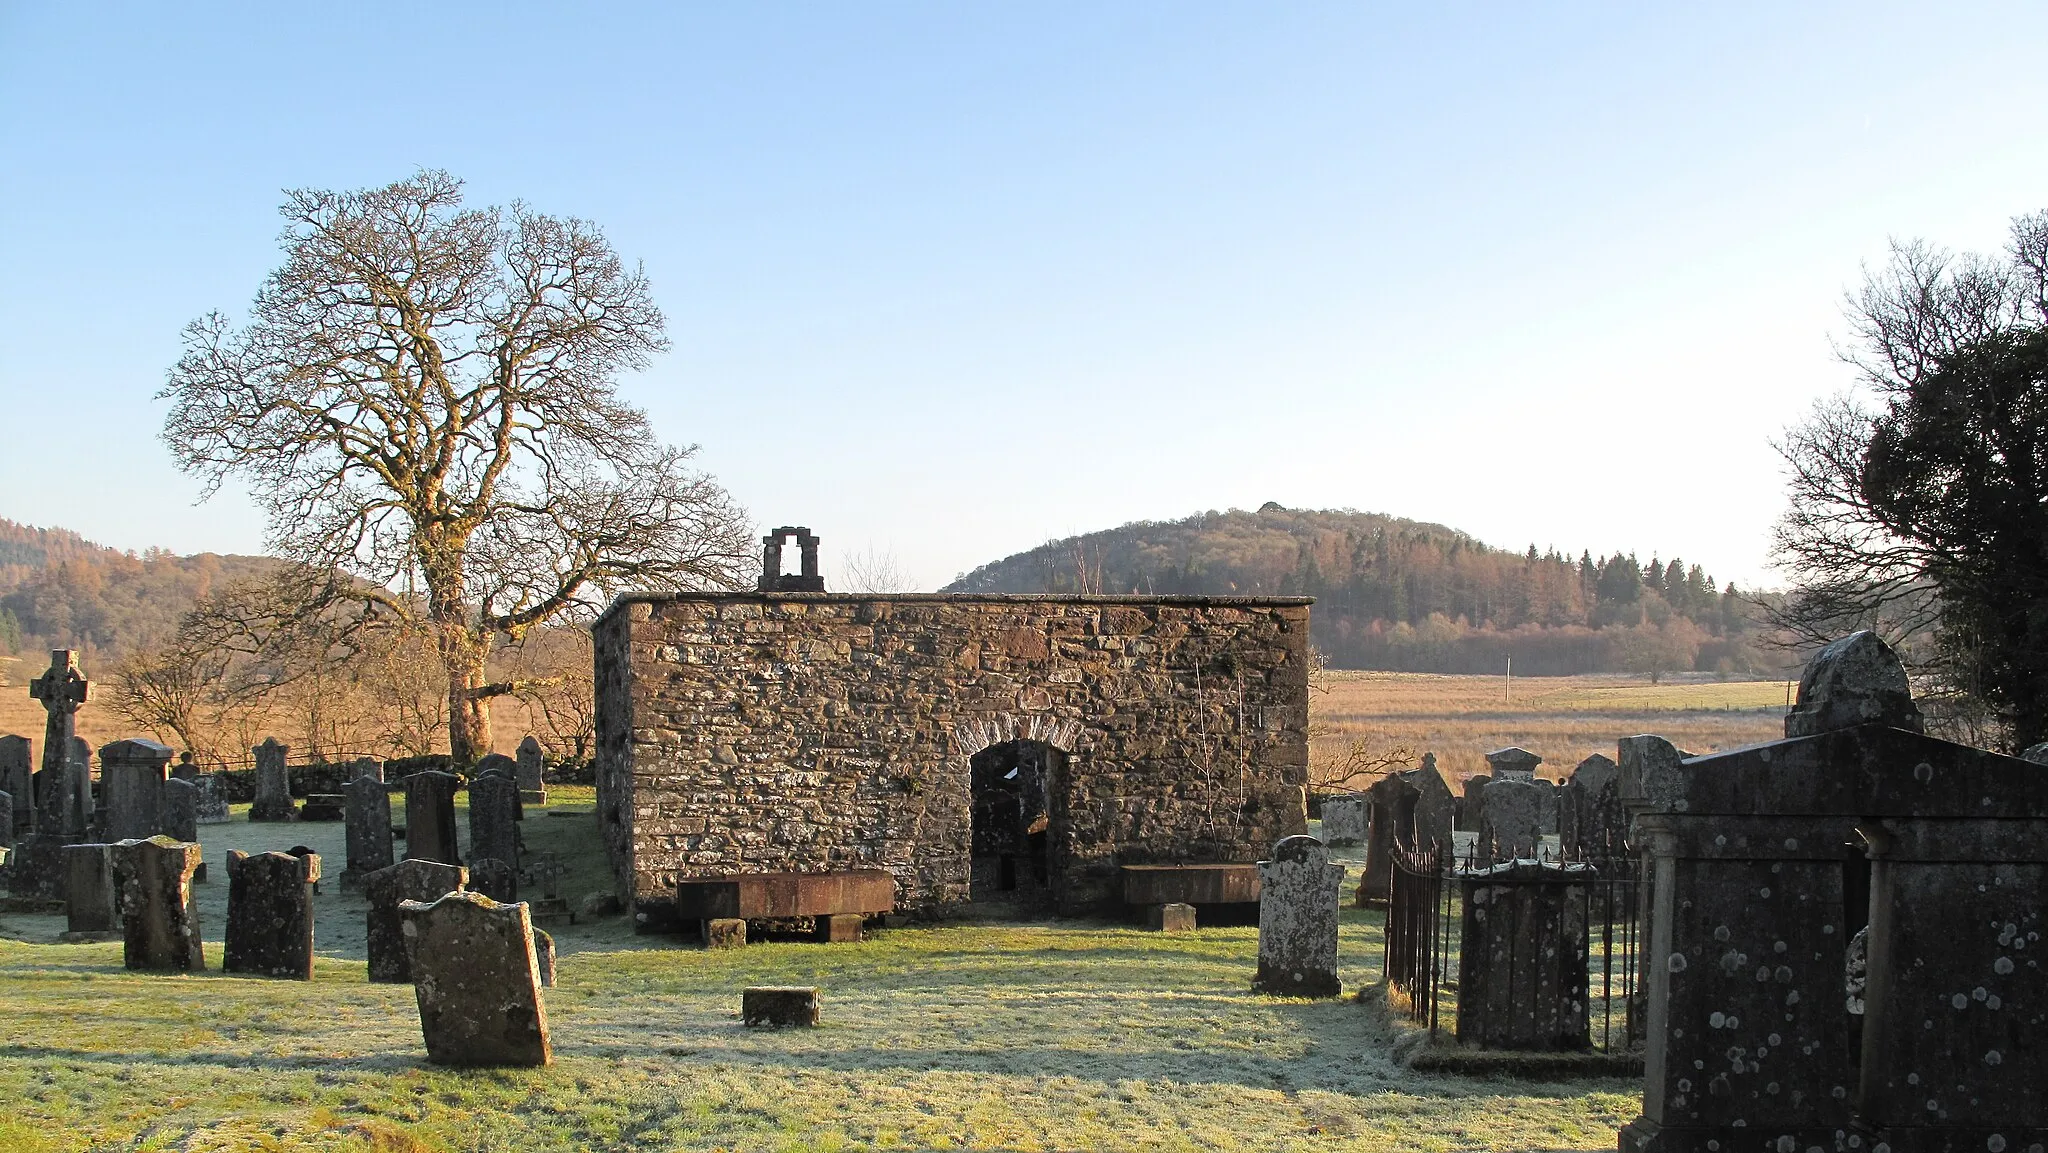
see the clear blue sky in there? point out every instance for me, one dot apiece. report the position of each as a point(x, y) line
point(944, 281)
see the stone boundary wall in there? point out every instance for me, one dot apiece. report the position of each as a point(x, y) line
point(769, 732)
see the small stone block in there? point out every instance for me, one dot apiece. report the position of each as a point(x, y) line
point(552, 911)
point(324, 807)
point(1171, 918)
point(841, 928)
point(725, 933)
point(779, 1005)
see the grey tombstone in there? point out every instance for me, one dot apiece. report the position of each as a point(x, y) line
point(61, 690)
point(1383, 803)
point(367, 828)
point(1511, 811)
point(1856, 680)
point(1592, 796)
point(430, 817)
point(544, 957)
point(533, 786)
point(6, 827)
point(1298, 894)
point(1435, 809)
point(385, 890)
point(1344, 819)
point(779, 1005)
point(213, 801)
point(81, 788)
point(369, 767)
point(273, 783)
point(270, 914)
point(493, 878)
point(1522, 974)
point(493, 833)
point(90, 898)
point(477, 979)
point(17, 776)
point(159, 918)
point(181, 809)
point(132, 776)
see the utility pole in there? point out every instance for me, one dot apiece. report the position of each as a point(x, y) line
point(1507, 685)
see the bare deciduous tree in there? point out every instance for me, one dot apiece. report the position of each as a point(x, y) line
point(424, 401)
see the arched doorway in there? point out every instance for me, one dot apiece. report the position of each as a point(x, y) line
point(1017, 806)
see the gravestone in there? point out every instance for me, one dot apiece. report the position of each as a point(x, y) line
point(493, 878)
point(1468, 808)
point(159, 918)
point(132, 776)
point(369, 767)
point(273, 783)
point(213, 803)
point(781, 1005)
point(82, 791)
point(1382, 803)
point(544, 957)
point(1435, 810)
point(493, 833)
point(1298, 894)
point(1522, 971)
point(550, 908)
point(17, 776)
point(367, 828)
point(327, 807)
point(1511, 818)
point(68, 807)
point(430, 817)
point(6, 827)
point(1844, 933)
point(1513, 762)
point(1344, 819)
point(1597, 826)
point(477, 980)
point(385, 890)
point(91, 901)
point(533, 786)
point(181, 810)
point(270, 914)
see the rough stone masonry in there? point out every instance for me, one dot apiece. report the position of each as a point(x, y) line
point(776, 731)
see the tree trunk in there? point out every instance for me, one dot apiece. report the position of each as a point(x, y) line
point(462, 653)
point(469, 710)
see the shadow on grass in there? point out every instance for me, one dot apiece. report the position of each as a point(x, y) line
point(378, 1063)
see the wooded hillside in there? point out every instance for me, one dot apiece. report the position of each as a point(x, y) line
point(1403, 595)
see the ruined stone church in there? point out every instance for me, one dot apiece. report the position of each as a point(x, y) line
point(972, 746)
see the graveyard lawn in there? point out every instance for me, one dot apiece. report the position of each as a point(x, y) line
point(981, 1034)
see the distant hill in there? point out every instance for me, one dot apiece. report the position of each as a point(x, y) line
point(1404, 595)
point(59, 590)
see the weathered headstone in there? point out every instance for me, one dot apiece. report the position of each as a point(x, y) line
point(1298, 894)
point(369, 767)
point(324, 807)
point(1173, 917)
point(1383, 803)
point(550, 908)
point(1522, 972)
point(1511, 818)
point(181, 810)
point(493, 878)
point(544, 957)
point(213, 803)
point(385, 890)
point(785, 1005)
point(82, 790)
point(91, 902)
point(533, 786)
point(1597, 827)
point(1435, 810)
point(1512, 762)
point(17, 776)
point(1344, 819)
point(477, 980)
point(68, 807)
point(159, 918)
point(273, 783)
point(367, 829)
point(430, 817)
point(270, 914)
point(1857, 680)
point(493, 835)
point(6, 826)
point(132, 776)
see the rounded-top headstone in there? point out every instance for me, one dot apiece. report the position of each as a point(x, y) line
point(1856, 680)
point(1299, 848)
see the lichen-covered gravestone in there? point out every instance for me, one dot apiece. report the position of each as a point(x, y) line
point(1344, 819)
point(1597, 827)
point(213, 803)
point(61, 690)
point(1435, 813)
point(17, 776)
point(385, 890)
point(367, 829)
point(273, 783)
point(533, 786)
point(181, 809)
point(159, 918)
point(1511, 817)
point(477, 980)
point(91, 902)
point(430, 817)
point(494, 834)
point(1298, 894)
point(270, 914)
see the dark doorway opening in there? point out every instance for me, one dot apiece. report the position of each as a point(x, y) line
point(1013, 816)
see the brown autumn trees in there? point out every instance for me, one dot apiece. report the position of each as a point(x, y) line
point(424, 403)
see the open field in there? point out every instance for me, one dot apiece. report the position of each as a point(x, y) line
point(1036, 1035)
point(1563, 719)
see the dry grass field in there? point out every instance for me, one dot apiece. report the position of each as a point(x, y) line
point(1562, 719)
